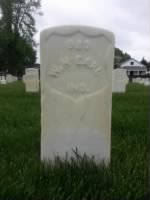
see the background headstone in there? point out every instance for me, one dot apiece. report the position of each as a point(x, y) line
point(31, 80)
point(76, 91)
point(138, 80)
point(134, 80)
point(120, 80)
point(3, 80)
point(141, 81)
point(147, 82)
point(10, 78)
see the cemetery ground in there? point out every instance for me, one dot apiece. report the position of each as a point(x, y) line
point(23, 176)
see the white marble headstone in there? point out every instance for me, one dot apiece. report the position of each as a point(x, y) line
point(10, 78)
point(3, 80)
point(133, 80)
point(120, 80)
point(31, 80)
point(142, 81)
point(147, 82)
point(138, 80)
point(76, 91)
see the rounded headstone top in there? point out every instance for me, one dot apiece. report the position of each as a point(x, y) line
point(68, 30)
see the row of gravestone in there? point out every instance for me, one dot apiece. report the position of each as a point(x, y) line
point(32, 82)
point(7, 79)
point(76, 81)
point(144, 81)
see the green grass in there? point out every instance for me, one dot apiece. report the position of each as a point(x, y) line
point(23, 176)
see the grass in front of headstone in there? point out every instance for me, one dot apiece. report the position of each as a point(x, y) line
point(23, 176)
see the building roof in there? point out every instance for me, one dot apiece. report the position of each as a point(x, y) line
point(132, 59)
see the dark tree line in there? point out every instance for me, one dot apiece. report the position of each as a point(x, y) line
point(120, 56)
point(17, 28)
point(146, 63)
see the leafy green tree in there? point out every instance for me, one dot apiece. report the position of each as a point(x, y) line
point(120, 57)
point(17, 28)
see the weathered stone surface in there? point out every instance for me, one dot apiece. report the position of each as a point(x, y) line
point(76, 91)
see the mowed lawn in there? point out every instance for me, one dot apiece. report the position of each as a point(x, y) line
point(23, 176)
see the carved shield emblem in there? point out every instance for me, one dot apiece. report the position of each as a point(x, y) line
point(76, 61)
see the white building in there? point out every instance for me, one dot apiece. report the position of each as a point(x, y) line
point(133, 67)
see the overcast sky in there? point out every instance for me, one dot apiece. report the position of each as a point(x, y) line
point(129, 20)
